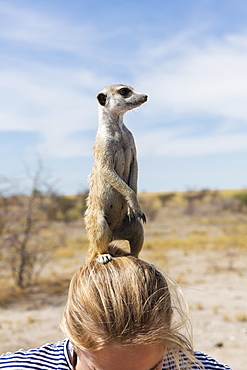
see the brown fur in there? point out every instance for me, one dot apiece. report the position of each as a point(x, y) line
point(113, 211)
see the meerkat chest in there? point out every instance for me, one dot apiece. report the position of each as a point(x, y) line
point(116, 139)
point(115, 145)
point(123, 157)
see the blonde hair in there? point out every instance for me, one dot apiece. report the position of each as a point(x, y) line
point(127, 301)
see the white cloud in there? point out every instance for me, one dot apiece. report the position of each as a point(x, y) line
point(62, 146)
point(203, 82)
point(43, 31)
point(170, 143)
point(42, 98)
point(54, 102)
point(184, 78)
point(208, 79)
point(39, 98)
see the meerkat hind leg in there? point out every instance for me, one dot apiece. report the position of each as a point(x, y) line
point(133, 232)
point(99, 236)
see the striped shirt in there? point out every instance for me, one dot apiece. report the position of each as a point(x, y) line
point(55, 356)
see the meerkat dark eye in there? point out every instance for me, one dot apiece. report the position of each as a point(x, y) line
point(125, 92)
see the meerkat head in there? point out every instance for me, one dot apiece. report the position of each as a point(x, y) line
point(119, 99)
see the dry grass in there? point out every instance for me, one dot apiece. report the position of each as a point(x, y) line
point(204, 250)
point(9, 292)
point(241, 316)
point(169, 227)
point(214, 230)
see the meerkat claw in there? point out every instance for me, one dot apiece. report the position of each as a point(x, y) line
point(142, 217)
point(104, 258)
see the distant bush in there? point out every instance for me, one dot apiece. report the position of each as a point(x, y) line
point(166, 197)
point(66, 205)
point(81, 199)
point(150, 205)
point(64, 208)
point(213, 202)
point(26, 243)
point(242, 197)
point(192, 198)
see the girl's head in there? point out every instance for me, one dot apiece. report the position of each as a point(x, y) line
point(125, 302)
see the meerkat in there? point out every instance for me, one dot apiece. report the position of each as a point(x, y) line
point(113, 211)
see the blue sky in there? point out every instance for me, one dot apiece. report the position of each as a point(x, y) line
point(189, 56)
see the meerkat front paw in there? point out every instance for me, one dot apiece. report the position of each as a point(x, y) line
point(104, 258)
point(132, 216)
point(142, 217)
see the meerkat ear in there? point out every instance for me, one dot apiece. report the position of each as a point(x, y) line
point(101, 98)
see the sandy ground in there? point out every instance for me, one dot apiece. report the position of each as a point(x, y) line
point(216, 296)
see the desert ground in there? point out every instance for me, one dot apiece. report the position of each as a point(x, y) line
point(204, 250)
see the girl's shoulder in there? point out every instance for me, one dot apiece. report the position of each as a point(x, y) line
point(50, 356)
point(209, 362)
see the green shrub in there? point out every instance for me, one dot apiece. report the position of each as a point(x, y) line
point(242, 198)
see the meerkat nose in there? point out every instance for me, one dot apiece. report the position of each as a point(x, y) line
point(145, 97)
